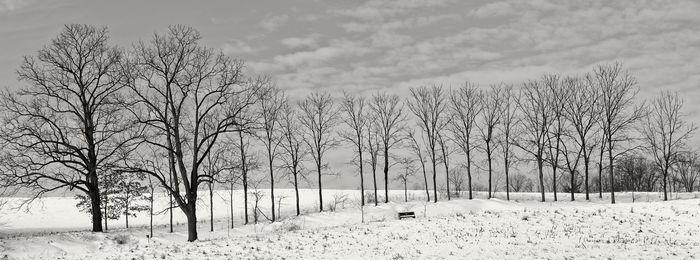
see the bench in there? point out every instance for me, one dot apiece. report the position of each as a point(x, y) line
point(408, 214)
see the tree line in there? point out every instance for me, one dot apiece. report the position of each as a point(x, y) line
point(115, 123)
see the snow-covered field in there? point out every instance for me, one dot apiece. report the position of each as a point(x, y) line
point(459, 229)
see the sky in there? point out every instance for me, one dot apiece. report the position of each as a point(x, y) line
point(366, 45)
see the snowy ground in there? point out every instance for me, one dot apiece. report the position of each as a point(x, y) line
point(457, 229)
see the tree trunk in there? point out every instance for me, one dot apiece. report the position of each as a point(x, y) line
point(469, 174)
point(572, 184)
point(191, 214)
point(362, 179)
point(665, 185)
point(96, 214)
point(296, 192)
point(171, 202)
point(150, 213)
point(320, 189)
point(585, 167)
point(554, 180)
point(405, 191)
point(386, 175)
point(272, 186)
point(231, 203)
point(211, 207)
point(106, 215)
point(435, 198)
point(612, 178)
point(488, 155)
point(374, 178)
point(447, 175)
point(425, 178)
point(541, 175)
point(126, 209)
point(505, 165)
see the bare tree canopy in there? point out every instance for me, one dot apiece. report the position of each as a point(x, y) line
point(188, 96)
point(429, 105)
point(465, 105)
point(387, 112)
point(68, 125)
point(355, 117)
point(490, 119)
point(618, 90)
point(319, 115)
point(270, 113)
point(665, 132)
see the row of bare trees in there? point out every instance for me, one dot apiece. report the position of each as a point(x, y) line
point(185, 115)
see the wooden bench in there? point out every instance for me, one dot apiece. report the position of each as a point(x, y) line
point(408, 214)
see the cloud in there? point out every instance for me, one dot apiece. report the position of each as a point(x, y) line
point(11, 5)
point(271, 23)
point(309, 42)
point(236, 47)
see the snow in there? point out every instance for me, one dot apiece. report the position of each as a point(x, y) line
point(458, 229)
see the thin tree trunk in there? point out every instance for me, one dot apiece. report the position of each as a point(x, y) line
point(488, 155)
point(386, 175)
point(171, 202)
point(435, 198)
point(150, 213)
point(320, 189)
point(231, 203)
point(541, 175)
point(106, 216)
point(469, 174)
point(572, 184)
point(505, 165)
point(585, 167)
point(374, 178)
point(211, 207)
point(612, 179)
point(272, 187)
point(296, 192)
point(245, 178)
point(405, 191)
point(425, 178)
point(126, 209)
point(362, 178)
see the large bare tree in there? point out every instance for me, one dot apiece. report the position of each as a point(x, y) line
point(557, 100)
point(387, 112)
point(491, 103)
point(465, 105)
point(68, 125)
point(294, 149)
point(355, 118)
point(666, 131)
point(270, 114)
point(510, 121)
point(188, 96)
point(429, 105)
point(582, 112)
point(537, 119)
point(618, 89)
point(318, 116)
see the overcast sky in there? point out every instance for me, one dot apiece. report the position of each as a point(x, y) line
point(366, 45)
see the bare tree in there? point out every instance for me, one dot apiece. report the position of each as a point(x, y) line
point(557, 100)
point(445, 158)
point(318, 117)
point(188, 96)
point(665, 132)
point(408, 170)
point(270, 109)
point(295, 151)
point(491, 119)
point(387, 112)
point(688, 170)
point(373, 146)
point(356, 119)
point(537, 118)
point(417, 149)
point(510, 121)
point(582, 111)
point(465, 106)
point(429, 105)
point(68, 125)
point(618, 111)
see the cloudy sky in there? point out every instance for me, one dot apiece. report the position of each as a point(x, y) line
point(362, 46)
